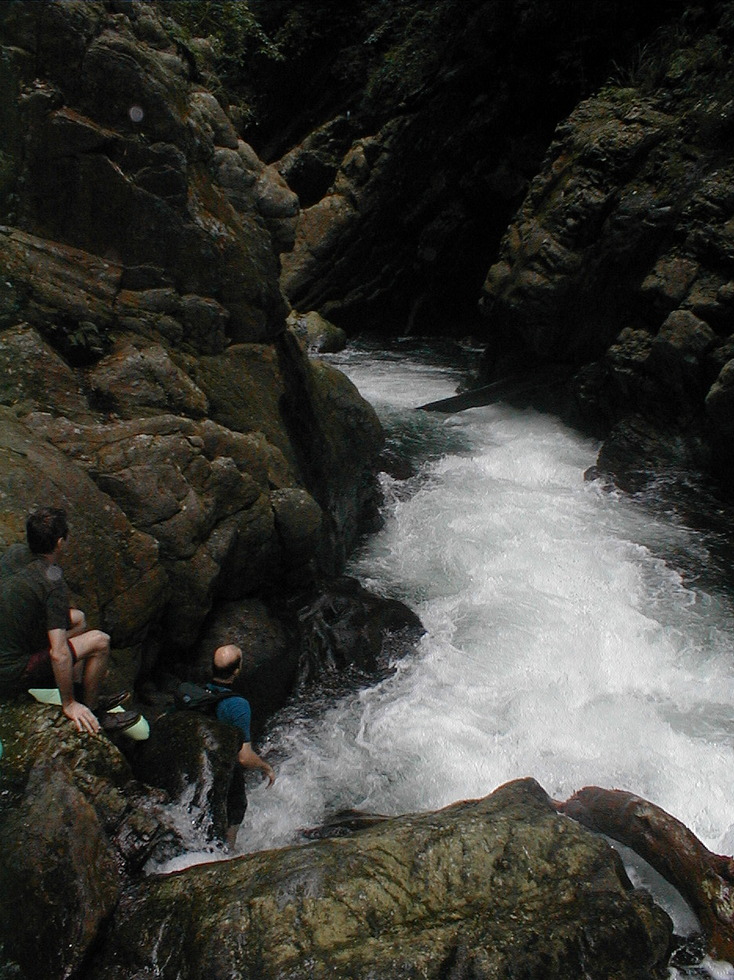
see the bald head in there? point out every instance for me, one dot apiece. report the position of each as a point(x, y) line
point(226, 661)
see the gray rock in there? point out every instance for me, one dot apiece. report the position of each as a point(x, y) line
point(720, 401)
point(316, 333)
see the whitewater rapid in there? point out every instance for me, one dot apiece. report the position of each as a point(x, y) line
point(562, 641)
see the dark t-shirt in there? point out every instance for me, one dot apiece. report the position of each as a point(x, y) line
point(16, 558)
point(34, 599)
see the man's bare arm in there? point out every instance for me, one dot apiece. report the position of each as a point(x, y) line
point(61, 662)
point(249, 759)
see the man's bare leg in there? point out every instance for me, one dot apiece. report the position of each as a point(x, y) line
point(78, 623)
point(93, 651)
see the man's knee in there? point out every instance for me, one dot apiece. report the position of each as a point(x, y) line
point(92, 643)
point(102, 641)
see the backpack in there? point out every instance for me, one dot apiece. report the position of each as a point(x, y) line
point(194, 697)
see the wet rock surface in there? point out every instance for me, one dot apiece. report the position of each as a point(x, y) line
point(484, 889)
point(618, 262)
point(76, 827)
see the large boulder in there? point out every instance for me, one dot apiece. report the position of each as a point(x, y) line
point(327, 634)
point(76, 827)
point(311, 412)
point(202, 493)
point(491, 888)
point(113, 570)
point(118, 157)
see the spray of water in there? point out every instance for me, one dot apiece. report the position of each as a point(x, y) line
point(563, 642)
point(560, 642)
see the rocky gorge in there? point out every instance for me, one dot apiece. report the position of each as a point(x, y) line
point(174, 250)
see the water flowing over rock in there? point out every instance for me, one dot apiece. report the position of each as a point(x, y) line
point(619, 260)
point(705, 879)
point(152, 240)
point(482, 889)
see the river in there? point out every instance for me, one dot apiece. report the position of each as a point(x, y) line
point(568, 635)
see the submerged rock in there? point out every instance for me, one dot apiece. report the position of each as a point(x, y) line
point(491, 888)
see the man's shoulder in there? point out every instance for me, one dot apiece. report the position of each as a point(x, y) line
point(17, 557)
point(230, 702)
point(40, 571)
point(225, 694)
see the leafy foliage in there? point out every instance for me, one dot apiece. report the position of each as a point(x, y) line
point(230, 25)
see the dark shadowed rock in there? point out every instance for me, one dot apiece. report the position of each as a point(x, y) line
point(112, 569)
point(191, 756)
point(270, 653)
point(75, 827)
point(627, 226)
point(58, 876)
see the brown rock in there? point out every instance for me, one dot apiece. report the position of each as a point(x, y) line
point(485, 889)
point(139, 380)
point(33, 376)
point(77, 823)
point(270, 653)
point(58, 876)
point(112, 568)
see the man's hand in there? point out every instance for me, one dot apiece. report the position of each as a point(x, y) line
point(82, 716)
point(249, 759)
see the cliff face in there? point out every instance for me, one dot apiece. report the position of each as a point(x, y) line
point(619, 261)
point(410, 133)
point(422, 148)
point(149, 383)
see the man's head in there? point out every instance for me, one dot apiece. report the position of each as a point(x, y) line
point(44, 527)
point(226, 662)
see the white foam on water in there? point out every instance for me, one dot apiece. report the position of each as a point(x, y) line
point(559, 644)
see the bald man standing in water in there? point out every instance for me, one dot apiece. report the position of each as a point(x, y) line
point(235, 710)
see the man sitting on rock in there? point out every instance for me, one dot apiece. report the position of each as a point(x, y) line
point(235, 710)
point(37, 627)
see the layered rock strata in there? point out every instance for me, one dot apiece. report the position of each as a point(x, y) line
point(150, 384)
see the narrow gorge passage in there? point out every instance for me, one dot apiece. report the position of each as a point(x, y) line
point(564, 641)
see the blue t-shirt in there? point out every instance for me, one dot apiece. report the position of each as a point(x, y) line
point(233, 711)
